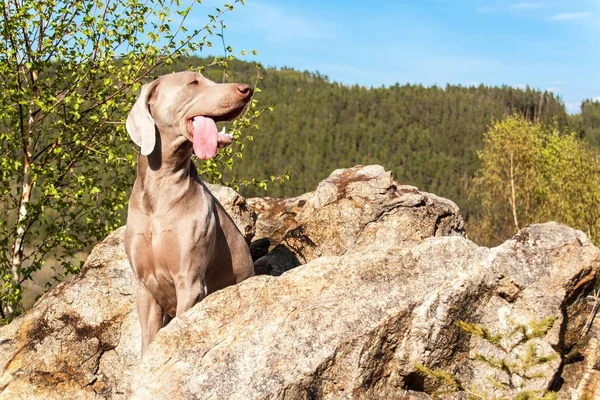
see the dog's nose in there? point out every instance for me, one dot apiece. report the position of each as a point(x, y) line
point(245, 90)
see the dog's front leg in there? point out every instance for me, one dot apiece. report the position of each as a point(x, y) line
point(188, 294)
point(150, 314)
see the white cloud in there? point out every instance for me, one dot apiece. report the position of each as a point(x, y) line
point(569, 16)
point(521, 86)
point(525, 6)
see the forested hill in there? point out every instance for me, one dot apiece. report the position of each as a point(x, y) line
point(428, 136)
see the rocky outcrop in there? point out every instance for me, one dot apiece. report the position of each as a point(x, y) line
point(80, 339)
point(383, 272)
point(354, 326)
point(276, 216)
point(354, 209)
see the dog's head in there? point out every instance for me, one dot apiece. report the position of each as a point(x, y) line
point(185, 104)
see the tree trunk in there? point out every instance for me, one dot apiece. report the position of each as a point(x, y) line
point(17, 251)
point(11, 308)
point(513, 201)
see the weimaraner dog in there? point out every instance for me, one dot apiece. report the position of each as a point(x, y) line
point(180, 242)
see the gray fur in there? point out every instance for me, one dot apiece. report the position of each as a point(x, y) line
point(180, 242)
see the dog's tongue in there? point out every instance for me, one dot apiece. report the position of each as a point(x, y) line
point(205, 137)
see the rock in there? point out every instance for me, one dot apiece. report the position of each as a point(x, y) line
point(386, 272)
point(81, 339)
point(276, 262)
point(582, 377)
point(328, 329)
point(259, 248)
point(353, 209)
point(275, 216)
point(581, 373)
point(553, 269)
point(354, 326)
point(362, 207)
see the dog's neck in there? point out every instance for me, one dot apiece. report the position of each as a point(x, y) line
point(165, 175)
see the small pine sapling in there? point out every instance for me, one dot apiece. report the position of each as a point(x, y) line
point(515, 364)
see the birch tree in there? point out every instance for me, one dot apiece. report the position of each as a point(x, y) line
point(508, 181)
point(69, 71)
point(531, 173)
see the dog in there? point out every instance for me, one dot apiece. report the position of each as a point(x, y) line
point(180, 242)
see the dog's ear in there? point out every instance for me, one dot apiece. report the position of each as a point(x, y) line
point(140, 124)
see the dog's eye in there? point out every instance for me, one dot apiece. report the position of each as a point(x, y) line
point(194, 82)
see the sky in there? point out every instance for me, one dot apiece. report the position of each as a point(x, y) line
point(546, 44)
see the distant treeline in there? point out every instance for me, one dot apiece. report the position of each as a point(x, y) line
point(428, 136)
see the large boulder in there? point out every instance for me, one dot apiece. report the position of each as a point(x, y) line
point(354, 326)
point(383, 272)
point(354, 209)
point(81, 339)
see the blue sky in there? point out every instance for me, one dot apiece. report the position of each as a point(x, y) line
point(546, 44)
